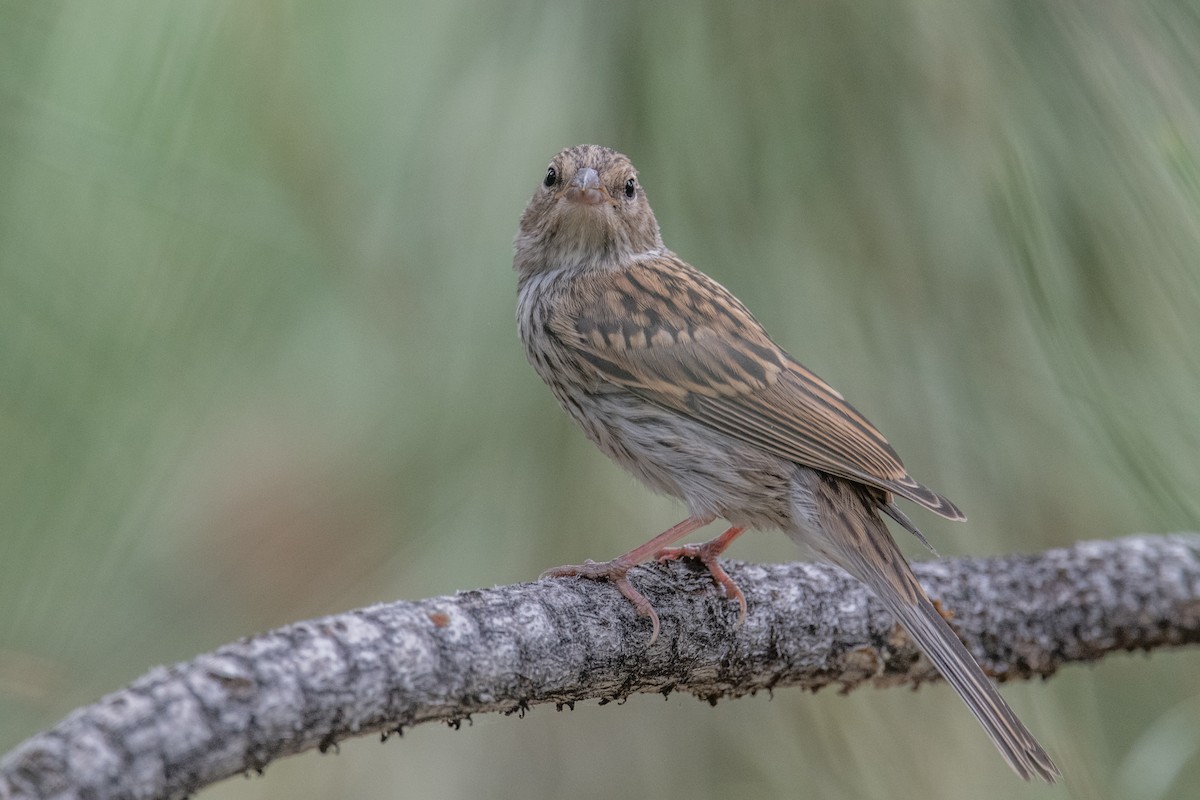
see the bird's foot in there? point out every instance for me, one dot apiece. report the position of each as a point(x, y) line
point(615, 572)
point(707, 554)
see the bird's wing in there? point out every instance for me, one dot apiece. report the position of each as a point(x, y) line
point(675, 337)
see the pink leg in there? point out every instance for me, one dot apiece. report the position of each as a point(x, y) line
point(707, 553)
point(614, 571)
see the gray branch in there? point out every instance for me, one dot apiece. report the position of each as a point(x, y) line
point(389, 667)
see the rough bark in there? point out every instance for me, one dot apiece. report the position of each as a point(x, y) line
point(388, 667)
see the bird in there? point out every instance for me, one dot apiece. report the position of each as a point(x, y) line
point(673, 378)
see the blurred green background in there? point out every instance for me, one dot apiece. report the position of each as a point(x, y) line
point(258, 359)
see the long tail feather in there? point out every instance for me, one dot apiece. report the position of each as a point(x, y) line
point(936, 639)
point(857, 540)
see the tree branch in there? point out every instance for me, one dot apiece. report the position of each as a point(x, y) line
point(388, 667)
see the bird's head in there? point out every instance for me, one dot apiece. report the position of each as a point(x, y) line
point(589, 212)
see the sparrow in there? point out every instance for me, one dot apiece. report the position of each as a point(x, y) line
point(673, 378)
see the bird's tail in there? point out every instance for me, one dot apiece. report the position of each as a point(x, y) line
point(952, 659)
point(864, 548)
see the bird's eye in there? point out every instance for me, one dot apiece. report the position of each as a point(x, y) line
point(630, 188)
point(551, 177)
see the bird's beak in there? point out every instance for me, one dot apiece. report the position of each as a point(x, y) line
point(585, 188)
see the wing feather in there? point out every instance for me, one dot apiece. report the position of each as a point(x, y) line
point(677, 338)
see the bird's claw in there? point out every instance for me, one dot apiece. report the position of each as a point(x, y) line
point(615, 572)
point(707, 554)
